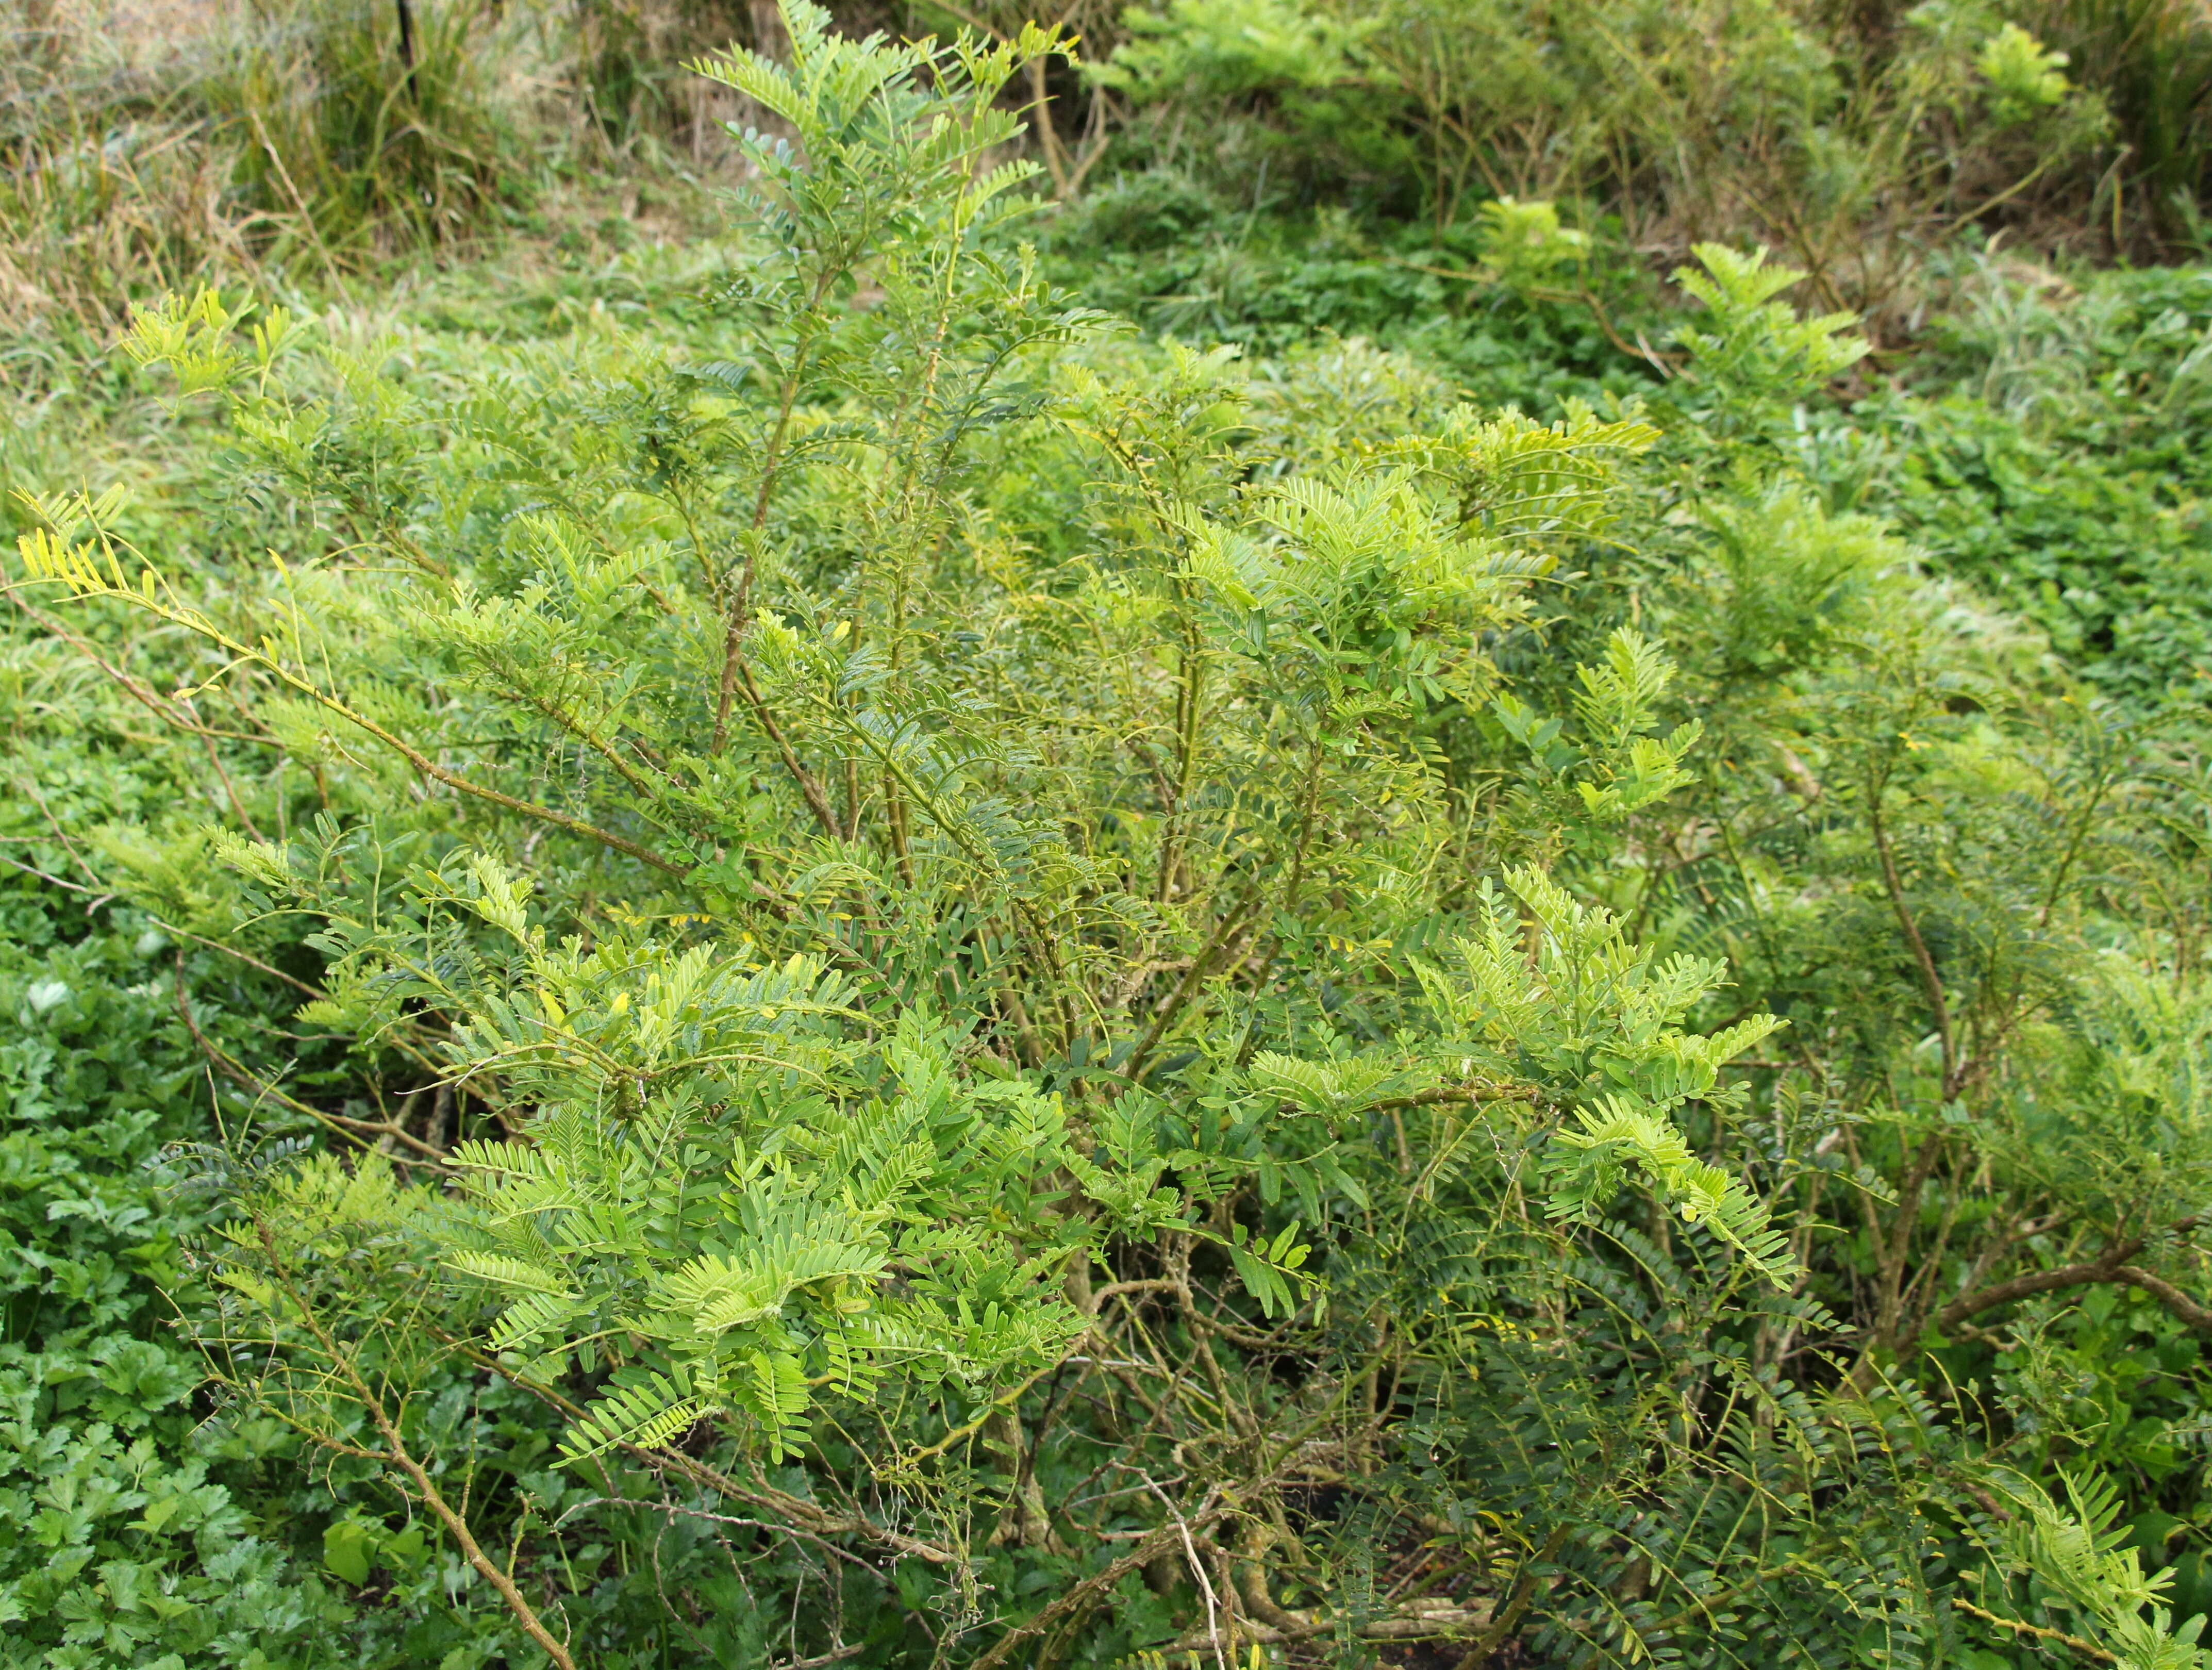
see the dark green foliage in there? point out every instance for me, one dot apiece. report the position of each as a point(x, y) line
point(2103, 557)
point(128, 1534)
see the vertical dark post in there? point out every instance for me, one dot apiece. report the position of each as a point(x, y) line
point(407, 41)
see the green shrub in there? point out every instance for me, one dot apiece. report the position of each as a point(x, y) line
point(1020, 995)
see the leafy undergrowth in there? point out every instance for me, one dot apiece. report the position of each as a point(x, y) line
point(131, 1530)
point(2058, 460)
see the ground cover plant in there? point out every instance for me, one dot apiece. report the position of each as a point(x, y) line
point(793, 953)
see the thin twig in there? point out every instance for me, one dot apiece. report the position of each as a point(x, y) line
point(2087, 1649)
point(340, 1123)
point(399, 1454)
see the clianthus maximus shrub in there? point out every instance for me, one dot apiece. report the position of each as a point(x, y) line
point(1086, 1075)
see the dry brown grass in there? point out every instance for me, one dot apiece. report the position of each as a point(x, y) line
point(110, 184)
point(153, 145)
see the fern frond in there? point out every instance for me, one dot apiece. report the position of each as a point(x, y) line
point(508, 1271)
point(646, 1412)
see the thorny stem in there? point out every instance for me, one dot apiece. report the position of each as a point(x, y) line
point(771, 470)
point(810, 1518)
point(2088, 1650)
point(338, 1123)
point(1190, 678)
point(196, 623)
point(1200, 966)
point(1931, 978)
point(397, 1452)
point(1312, 799)
point(1217, 1506)
point(2114, 1264)
point(737, 674)
point(1524, 1591)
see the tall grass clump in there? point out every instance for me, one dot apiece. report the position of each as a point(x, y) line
point(2154, 60)
point(110, 180)
point(376, 124)
point(142, 150)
